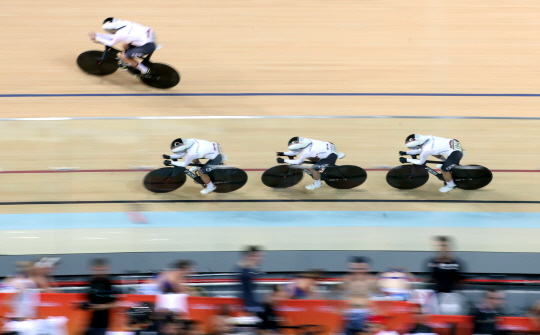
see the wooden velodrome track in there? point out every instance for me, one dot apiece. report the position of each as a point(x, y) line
point(473, 61)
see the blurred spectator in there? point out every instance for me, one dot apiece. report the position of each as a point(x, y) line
point(252, 257)
point(356, 318)
point(446, 270)
point(26, 297)
point(486, 312)
point(153, 326)
point(359, 283)
point(190, 327)
point(159, 317)
point(358, 286)
point(101, 297)
point(149, 287)
point(42, 275)
point(198, 291)
point(270, 320)
point(534, 314)
point(453, 303)
point(396, 283)
point(174, 281)
point(171, 326)
point(167, 322)
point(375, 325)
point(304, 286)
point(222, 324)
point(419, 319)
point(139, 320)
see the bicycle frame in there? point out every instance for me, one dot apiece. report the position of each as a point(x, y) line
point(430, 170)
point(106, 52)
point(189, 173)
point(307, 171)
point(145, 59)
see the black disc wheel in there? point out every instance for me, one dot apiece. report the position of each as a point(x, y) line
point(228, 179)
point(281, 176)
point(471, 177)
point(92, 63)
point(407, 177)
point(164, 180)
point(161, 76)
point(344, 177)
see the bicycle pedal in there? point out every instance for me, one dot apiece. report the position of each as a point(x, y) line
point(146, 75)
point(133, 70)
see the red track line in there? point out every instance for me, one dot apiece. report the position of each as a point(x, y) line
point(65, 171)
point(143, 170)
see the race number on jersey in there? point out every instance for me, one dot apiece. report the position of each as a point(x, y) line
point(331, 147)
point(455, 145)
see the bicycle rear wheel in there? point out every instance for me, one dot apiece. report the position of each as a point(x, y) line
point(471, 177)
point(161, 76)
point(228, 179)
point(91, 63)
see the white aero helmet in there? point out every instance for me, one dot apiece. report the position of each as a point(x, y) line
point(414, 141)
point(181, 144)
point(111, 24)
point(298, 143)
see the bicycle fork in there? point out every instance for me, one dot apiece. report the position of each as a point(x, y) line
point(178, 170)
point(190, 174)
point(435, 173)
point(308, 172)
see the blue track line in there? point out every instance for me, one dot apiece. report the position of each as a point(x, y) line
point(165, 201)
point(207, 219)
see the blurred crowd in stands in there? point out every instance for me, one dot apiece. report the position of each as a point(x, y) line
point(357, 290)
